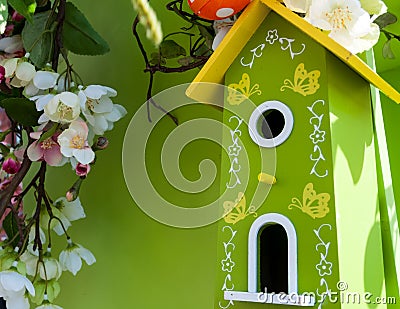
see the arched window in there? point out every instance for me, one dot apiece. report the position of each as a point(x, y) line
point(272, 259)
point(260, 235)
point(272, 264)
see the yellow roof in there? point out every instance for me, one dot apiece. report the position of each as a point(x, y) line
point(247, 24)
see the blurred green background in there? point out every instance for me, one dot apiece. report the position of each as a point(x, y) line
point(140, 262)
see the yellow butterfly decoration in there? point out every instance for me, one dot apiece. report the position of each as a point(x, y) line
point(315, 205)
point(236, 211)
point(304, 83)
point(237, 93)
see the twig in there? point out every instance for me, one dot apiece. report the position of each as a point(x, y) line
point(7, 194)
point(181, 69)
point(41, 194)
point(198, 61)
point(58, 42)
point(150, 87)
point(391, 34)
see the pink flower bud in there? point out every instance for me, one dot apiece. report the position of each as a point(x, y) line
point(102, 143)
point(17, 17)
point(69, 196)
point(2, 73)
point(82, 169)
point(11, 166)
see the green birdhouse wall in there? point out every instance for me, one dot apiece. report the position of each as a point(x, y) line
point(316, 231)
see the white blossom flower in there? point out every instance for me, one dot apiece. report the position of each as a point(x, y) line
point(30, 256)
point(16, 301)
point(11, 44)
point(299, 6)
point(19, 70)
point(10, 65)
point(366, 42)
point(23, 74)
point(116, 114)
point(71, 258)
point(71, 210)
point(63, 107)
point(374, 7)
point(73, 142)
point(349, 24)
point(57, 225)
point(12, 283)
point(98, 108)
point(41, 100)
point(43, 80)
point(66, 212)
point(49, 269)
point(30, 261)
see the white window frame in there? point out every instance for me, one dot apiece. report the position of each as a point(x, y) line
point(258, 114)
point(253, 271)
point(252, 295)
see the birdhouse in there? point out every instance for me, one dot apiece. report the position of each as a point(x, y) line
point(301, 221)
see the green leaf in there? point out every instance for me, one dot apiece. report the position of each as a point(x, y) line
point(38, 40)
point(203, 50)
point(10, 225)
point(169, 49)
point(387, 52)
point(40, 288)
point(49, 133)
point(205, 33)
point(385, 20)
point(4, 150)
point(79, 36)
point(21, 110)
point(156, 58)
point(53, 289)
point(25, 7)
point(4, 134)
point(3, 15)
point(21, 267)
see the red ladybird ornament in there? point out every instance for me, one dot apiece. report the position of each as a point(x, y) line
point(217, 9)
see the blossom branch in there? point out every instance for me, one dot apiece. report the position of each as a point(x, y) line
point(41, 195)
point(58, 43)
point(7, 194)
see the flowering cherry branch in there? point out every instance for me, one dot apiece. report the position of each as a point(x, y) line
point(46, 119)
